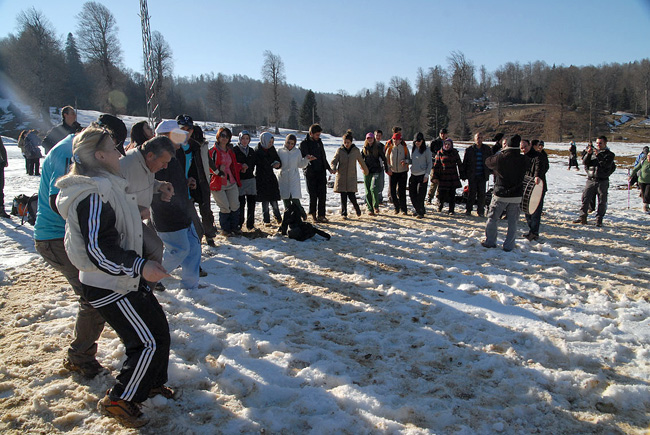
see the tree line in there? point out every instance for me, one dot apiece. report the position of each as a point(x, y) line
point(86, 71)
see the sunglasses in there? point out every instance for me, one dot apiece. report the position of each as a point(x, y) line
point(224, 135)
point(104, 134)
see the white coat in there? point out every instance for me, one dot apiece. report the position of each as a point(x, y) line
point(289, 177)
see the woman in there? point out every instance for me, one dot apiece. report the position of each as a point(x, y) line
point(248, 190)
point(373, 156)
point(420, 170)
point(447, 169)
point(225, 182)
point(343, 166)
point(140, 133)
point(398, 159)
point(642, 171)
point(29, 143)
point(292, 161)
point(268, 191)
point(103, 239)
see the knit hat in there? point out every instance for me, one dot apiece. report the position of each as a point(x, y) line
point(514, 141)
point(370, 135)
point(448, 141)
point(265, 140)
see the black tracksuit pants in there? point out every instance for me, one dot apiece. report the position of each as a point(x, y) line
point(140, 322)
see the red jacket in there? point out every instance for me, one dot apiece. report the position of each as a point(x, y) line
point(218, 179)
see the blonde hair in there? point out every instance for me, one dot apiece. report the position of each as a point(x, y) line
point(84, 146)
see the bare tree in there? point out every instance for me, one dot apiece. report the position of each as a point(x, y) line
point(558, 95)
point(274, 78)
point(462, 80)
point(162, 60)
point(98, 39)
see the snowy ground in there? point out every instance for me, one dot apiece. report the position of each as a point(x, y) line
point(395, 325)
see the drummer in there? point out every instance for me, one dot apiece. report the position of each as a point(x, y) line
point(534, 219)
point(534, 170)
point(509, 167)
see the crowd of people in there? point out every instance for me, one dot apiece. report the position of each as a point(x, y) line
point(116, 220)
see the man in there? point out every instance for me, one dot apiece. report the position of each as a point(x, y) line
point(381, 180)
point(172, 219)
point(49, 231)
point(538, 167)
point(316, 172)
point(436, 145)
point(509, 167)
point(477, 174)
point(198, 176)
point(139, 167)
point(4, 162)
point(69, 125)
point(599, 164)
point(573, 156)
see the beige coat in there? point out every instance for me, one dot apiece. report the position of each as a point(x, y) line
point(346, 170)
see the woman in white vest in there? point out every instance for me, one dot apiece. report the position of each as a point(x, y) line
point(103, 238)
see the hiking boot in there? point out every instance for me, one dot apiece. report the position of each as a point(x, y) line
point(485, 245)
point(581, 220)
point(88, 370)
point(127, 413)
point(202, 273)
point(166, 392)
point(210, 242)
point(278, 219)
point(159, 287)
point(599, 222)
point(322, 219)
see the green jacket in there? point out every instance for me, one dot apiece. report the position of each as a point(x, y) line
point(643, 171)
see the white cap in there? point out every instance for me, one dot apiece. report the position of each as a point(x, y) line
point(176, 135)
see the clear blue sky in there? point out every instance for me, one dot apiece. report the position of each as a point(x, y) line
point(351, 45)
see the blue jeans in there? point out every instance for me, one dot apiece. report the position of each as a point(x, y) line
point(512, 212)
point(183, 248)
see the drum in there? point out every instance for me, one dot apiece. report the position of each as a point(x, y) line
point(532, 194)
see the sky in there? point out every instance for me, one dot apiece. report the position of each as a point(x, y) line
point(351, 45)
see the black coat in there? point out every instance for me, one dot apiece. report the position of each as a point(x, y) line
point(3, 156)
point(266, 181)
point(173, 215)
point(509, 167)
point(436, 145)
point(374, 158)
point(250, 160)
point(599, 166)
point(58, 133)
point(470, 163)
point(316, 168)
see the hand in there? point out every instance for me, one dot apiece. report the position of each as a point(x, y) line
point(153, 271)
point(366, 172)
point(244, 167)
point(145, 213)
point(276, 166)
point(389, 172)
point(425, 180)
point(332, 172)
point(403, 163)
point(166, 191)
point(222, 168)
point(538, 180)
point(191, 183)
point(310, 157)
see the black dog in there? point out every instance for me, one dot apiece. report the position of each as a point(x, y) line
point(294, 226)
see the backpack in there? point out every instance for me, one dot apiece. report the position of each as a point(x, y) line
point(25, 207)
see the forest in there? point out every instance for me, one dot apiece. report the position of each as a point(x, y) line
point(86, 70)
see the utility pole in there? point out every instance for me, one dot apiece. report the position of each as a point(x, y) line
point(153, 110)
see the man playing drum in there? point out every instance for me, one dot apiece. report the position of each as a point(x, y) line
point(536, 168)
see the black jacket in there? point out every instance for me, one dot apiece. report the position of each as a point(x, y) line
point(599, 166)
point(3, 156)
point(318, 167)
point(266, 181)
point(374, 158)
point(249, 159)
point(470, 163)
point(436, 145)
point(58, 133)
point(173, 215)
point(509, 167)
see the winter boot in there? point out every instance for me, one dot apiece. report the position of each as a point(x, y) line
point(599, 221)
point(581, 220)
point(127, 413)
point(224, 222)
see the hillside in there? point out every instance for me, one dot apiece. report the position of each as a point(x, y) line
point(530, 120)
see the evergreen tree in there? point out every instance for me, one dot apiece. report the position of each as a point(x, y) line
point(437, 113)
point(76, 83)
point(293, 116)
point(309, 112)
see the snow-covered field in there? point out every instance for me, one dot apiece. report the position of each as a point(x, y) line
point(395, 325)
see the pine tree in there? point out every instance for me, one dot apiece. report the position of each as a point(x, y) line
point(437, 113)
point(309, 112)
point(293, 116)
point(76, 84)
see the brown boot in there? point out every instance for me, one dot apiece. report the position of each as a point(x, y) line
point(581, 220)
point(127, 413)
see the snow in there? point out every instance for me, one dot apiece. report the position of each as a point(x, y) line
point(395, 325)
